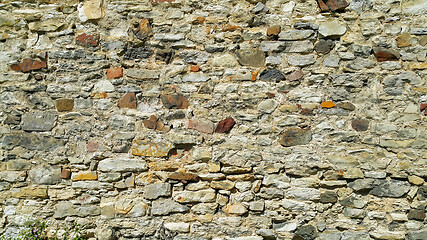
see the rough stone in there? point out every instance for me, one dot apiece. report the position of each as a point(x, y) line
point(64, 104)
point(306, 232)
point(301, 60)
point(332, 29)
point(202, 196)
point(122, 165)
point(90, 10)
point(201, 126)
point(115, 72)
point(87, 40)
point(360, 125)
point(127, 101)
point(156, 190)
point(251, 57)
point(28, 65)
point(324, 46)
point(174, 101)
point(225, 125)
point(39, 121)
point(294, 35)
point(390, 188)
point(294, 137)
point(45, 175)
point(49, 25)
point(271, 75)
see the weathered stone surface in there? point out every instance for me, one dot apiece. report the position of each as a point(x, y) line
point(224, 60)
point(294, 137)
point(122, 165)
point(201, 126)
point(295, 35)
point(49, 25)
point(272, 75)
point(64, 104)
point(39, 121)
point(324, 46)
point(142, 74)
point(137, 53)
point(167, 206)
point(174, 101)
point(251, 57)
point(31, 142)
point(150, 149)
point(91, 10)
point(235, 209)
point(360, 125)
point(414, 7)
point(301, 60)
point(87, 40)
point(143, 29)
point(115, 72)
point(84, 176)
point(306, 232)
point(30, 192)
point(203, 196)
point(45, 175)
point(183, 176)
point(225, 125)
point(196, 57)
point(28, 65)
point(383, 54)
point(66, 209)
point(267, 106)
point(156, 190)
point(127, 101)
point(390, 188)
point(332, 29)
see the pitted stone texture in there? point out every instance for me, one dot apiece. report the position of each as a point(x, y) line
point(39, 121)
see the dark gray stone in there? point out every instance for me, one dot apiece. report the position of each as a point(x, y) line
point(31, 142)
point(137, 53)
point(390, 188)
point(272, 75)
point(306, 232)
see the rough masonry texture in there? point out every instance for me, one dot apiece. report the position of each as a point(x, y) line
point(215, 119)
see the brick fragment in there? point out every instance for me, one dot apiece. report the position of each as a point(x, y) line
point(205, 127)
point(174, 101)
point(127, 101)
point(87, 40)
point(28, 64)
point(115, 72)
point(194, 68)
point(65, 173)
point(225, 125)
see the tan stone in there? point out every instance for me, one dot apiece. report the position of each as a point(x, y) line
point(235, 209)
point(150, 149)
point(416, 180)
point(84, 176)
point(30, 191)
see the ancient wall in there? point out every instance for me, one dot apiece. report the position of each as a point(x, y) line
point(215, 119)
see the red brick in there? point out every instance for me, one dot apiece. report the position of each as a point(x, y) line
point(87, 40)
point(225, 125)
point(423, 106)
point(28, 64)
point(115, 72)
point(127, 101)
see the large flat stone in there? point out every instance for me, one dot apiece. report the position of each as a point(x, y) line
point(39, 121)
point(122, 165)
point(150, 149)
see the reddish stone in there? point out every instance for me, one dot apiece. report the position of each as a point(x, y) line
point(225, 125)
point(382, 56)
point(328, 104)
point(64, 104)
point(230, 28)
point(194, 68)
point(150, 123)
point(273, 31)
point(183, 176)
point(127, 101)
point(332, 5)
point(360, 125)
point(174, 101)
point(87, 40)
point(295, 75)
point(143, 29)
point(65, 173)
point(92, 146)
point(423, 106)
point(205, 127)
point(28, 65)
point(116, 72)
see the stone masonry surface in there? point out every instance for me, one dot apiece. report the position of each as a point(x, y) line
point(215, 119)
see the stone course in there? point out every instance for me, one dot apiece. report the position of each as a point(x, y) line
point(215, 120)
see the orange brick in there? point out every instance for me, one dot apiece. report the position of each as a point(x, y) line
point(328, 104)
point(194, 68)
point(116, 72)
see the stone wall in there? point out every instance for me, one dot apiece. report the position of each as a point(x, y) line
point(215, 119)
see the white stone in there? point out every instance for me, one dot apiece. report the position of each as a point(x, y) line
point(103, 86)
point(224, 60)
point(331, 29)
point(182, 227)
